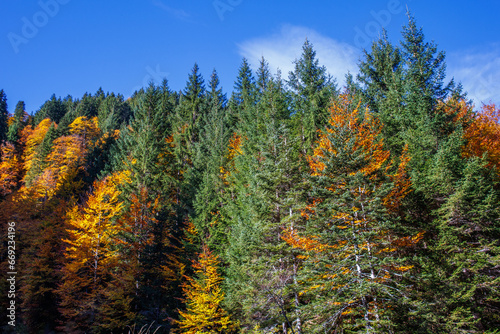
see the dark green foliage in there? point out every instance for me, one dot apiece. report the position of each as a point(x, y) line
point(4, 117)
point(264, 191)
point(113, 112)
point(191, 108)
point(245, 88)
point(54, 109)
point(208, 159)
point(312, 89)
point(19, 122)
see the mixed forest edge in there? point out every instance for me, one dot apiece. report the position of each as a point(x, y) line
point(291, 206)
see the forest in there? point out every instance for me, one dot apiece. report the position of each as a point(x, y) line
point(291, 205)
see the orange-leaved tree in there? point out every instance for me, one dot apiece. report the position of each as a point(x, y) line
point(483, 135)
point(347, 238)
point(203, 298)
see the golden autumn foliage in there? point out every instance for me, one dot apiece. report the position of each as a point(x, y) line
point(203, 297)
point(233, 150)
point(10, 169)
point(91, 251)
point(66, 159)
point(401, 181)
point(86, 128)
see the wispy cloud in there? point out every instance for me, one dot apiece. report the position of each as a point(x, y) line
point(479, 72)
point(282, 48)
point(177, 13)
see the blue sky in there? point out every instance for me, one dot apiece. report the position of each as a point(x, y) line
point(74, 46)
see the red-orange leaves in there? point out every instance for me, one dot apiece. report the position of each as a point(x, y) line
point(483, 135)
point(352, 135)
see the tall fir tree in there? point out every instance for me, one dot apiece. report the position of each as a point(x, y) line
point(311, 88)
point(4, 117)
point(18, 123)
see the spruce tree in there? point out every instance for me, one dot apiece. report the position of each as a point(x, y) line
point(244, 97)
point(347, 233)
point(191, 110)
point(4, 117)
point(53, 109)
point(18, 123)
point(311, 88)
point(262, 268)
point(144, 152)
point(208, 160)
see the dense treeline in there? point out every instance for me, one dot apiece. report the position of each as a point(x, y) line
point(293, 206)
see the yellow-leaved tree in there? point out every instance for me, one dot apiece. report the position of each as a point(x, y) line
point(10, 169)
point(91, 254)
point(204, 313)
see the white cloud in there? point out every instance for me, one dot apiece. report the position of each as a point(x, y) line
point(479, 73)
point(281, 49)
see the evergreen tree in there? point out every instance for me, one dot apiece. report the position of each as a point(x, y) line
point(191, 109)
point(381, 87)
point(245, 87)
point(144, 151)
point(18, 123)
point(113, 112)
point(242, 102)
point(53, 109)
point(260, 277)
point(4, 117)
point(348, 233)
point(263, 76)
point(311, 88)
point(208, 160)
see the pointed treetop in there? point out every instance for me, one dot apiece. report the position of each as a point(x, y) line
point(195, 86)
point(263, 75)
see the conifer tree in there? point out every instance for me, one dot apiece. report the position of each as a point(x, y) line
point(311, 88)
point(113, 112)
point(244, 88)
point(18, 123)
point(4, 117)
point(263, 75)
point(191, 109)
point(145, 150)
point(381, 87)
point(53, 109)
point(348, 236)
point(208, 160)
point(260, 277)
